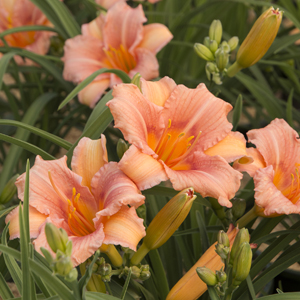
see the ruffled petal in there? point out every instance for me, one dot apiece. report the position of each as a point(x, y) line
point(124, 26)
point(88, 157)
point(36, 219)
point(208, 175)
point(158, 91)
point(83, 56)
point(94, 28)
point(268, 197)
point(124, 228)
point(156, 36)
point(45, 198)
point(232, 147)
point(136, 116)
point(113, 189)
point(143, 169)
point(91, 94)
point(245, 165)
point(107, 3)
point(192, 111)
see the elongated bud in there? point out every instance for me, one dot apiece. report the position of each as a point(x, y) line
point(213, 46)
point(242, 236)
point(215, 31)
point(9, 190)
point(122, 147)
point(204, 52)
point(242, 264)
point(233, 43)
point(63, 265)
point(54, 238)
point(169, 218)
point(207, 276)
point(206, 41)
point(223, 238)
point(137, 80)
point(221, 276)
point(222, 251)
point(47, 255)
point(238, 207)
point(210, 69)
point(222, 59)
point(258, 40)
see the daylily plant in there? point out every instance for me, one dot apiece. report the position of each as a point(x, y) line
point(116, 40)
point(179, 134)
point(90, 203)
point(275, 169)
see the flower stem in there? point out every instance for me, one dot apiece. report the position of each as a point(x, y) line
point(139, 255)
point(113, 254)
point(247, 218)
point(233, 69)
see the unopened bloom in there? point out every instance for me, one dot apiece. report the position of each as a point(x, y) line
point(189, 287)
point(275, 169)
point(179, 134)
point(117, 40)
point(90, 203)
point(17, 13)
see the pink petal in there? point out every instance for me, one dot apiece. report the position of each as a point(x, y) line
point(124, 228)
point(113, 189)
point(197, 110)
point(36, 219)
point(136, 116)
point(158, 91)
point(94, 28)
point(42, 195)
point(232, 147)
point(211, 176)
point(107, 3)
point(91, 94)
point(83, 56)
point(41, 44)
point(88, 157)
point(156, 36)
point(269, 197)
point(124, 26)
point(143, 169)
point(245, 165)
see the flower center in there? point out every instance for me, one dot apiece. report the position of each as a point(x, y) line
point(174, 146)
point(120, 59)
point(80, 220)
point(293, 192)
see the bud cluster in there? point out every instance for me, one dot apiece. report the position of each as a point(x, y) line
point(59, 243)
point(215, 52)
point(140, 272)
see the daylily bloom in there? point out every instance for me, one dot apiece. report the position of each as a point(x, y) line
point(109, 3)
point(275, 169)
point(117, 40)
point(179, 134)
point(16, 13)
point(90, 203)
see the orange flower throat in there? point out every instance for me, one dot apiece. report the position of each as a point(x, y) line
point(293, 192)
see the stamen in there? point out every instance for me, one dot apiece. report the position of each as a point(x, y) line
point(174, 147)
point(164, 144)
point(157, 148)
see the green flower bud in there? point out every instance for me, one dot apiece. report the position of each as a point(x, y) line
point(72, 275)
point(204, 52)
point(207, 276)
point(9, 190)
point(135, 272)
point(137, 80)
point(241, 237)
point(69, 247)
point(55, 238)
point(106, 278)
point(233, 42)
point(242, 264)
point(215, 31)
point(221, 276)
point(222, 59)
point(216, 78)
point(122, 147)
point(213, 46)
point(223, 238)
point(222, 251)
point(47, 255)
point(225, 47)
point(238, 207)
point(145, 273)
point(63, 266)
point(104, 269)
point(206, 41)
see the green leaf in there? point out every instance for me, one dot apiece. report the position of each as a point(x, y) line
point(125, 78)
point(125, 287)
point(289, 109)
point(237, 111)
point(99, 296)
point(5, 211)
point(44, 134)
point(5, 291)
point(26, 28)
point(4, 61)
point(250, 287)
point(284, 296)
point(203, 233)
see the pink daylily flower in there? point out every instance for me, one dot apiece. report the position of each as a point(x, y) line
point(179, 134)
point(16, 13)
point(109, 3)
point(275, 169)
point(90, 202)
point(117, 40)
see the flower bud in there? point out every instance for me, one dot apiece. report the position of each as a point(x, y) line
point(207, 276)
point(233, 43)
point(225, 47)
point(213, 46)
point(223, 239)
point(137, 81)
point(122, 147)
point(169, 218)
point(206, 41)
point(47, 255)
point(238, 207)
point(55, 238)
point(63, 266)
point(210, 68)
point(216, 78)
point(221, 276)
point(9, 190)
point(135, 272)
point(215, 31)
point(222, 251)
point(104, 269)
point(242, 236)
point(204, 52)
point(72, 275)
point(145, 273)
point(242, 264)
point(222, 59)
